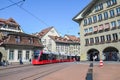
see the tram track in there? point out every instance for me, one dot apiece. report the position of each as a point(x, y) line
point(12, 67)
point(31, 72)
point(5, 72)
point(40, 75)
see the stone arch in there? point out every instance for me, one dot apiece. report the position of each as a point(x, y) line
point(93, 54)
point(111, 53)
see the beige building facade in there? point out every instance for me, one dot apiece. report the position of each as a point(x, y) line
point(54, 43)
point(49, 45)
point(100, 30)
point(15, 44)
point(66, 45)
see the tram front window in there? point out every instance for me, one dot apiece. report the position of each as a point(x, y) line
point(36, 54)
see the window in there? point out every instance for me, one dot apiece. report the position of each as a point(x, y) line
point(113, 24)
point(91, 40)
point(108, 3)
point(114, 2)
point(11, 55)
point(94, 19)
point(96, 8)
point(111, 2)
point(17, 38)
point(96, 39)
point(86, 31)
point(90, 29)
point(87, 41)
point(27, 55)
point(90, 20)
point(107, 26)
point(85, 21)
point(100, 17)
point(31, 40)
point(102, 38)
point(19, 54)
point(95, 28)
point(108, 37)
point(105, 15)
point(2, 24)
point(101, 6)
point(118, 11)
point(44, 41)
point(115, 36)
point(112, 14)
point(118, 23)
point(101, 27)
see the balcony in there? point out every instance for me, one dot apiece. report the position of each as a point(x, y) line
point(115, 40)
point(113, 28)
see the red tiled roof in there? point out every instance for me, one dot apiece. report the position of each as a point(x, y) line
point(24, 40)
point(73, 38)
point(44, 32)
point(62, 40)
point(10, 21)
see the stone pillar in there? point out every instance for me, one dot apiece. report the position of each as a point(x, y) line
point(118, 54)
point(102, 57)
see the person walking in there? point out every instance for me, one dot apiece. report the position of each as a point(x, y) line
point(21, 61)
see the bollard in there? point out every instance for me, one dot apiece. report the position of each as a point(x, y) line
point(89, 75)
point(91, 65)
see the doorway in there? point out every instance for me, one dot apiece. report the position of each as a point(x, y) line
point(93, 53)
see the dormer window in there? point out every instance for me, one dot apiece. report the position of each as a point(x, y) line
point(31, 40)
point(17, 39)
point(1, 24)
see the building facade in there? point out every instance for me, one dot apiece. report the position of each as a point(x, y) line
point(66, 45)
point(15, 44)
point(46, 40)
point(100, 30)
point(54, 43)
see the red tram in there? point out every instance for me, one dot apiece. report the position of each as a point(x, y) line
point(40, 57)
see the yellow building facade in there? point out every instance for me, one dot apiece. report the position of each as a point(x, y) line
point(100, 30)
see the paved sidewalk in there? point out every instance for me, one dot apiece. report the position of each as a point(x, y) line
point(14, 65)
point(74, 72)
point(107, 72)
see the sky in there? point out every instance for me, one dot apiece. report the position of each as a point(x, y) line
point(36, 15)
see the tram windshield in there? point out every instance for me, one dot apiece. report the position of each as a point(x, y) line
point(36, 54)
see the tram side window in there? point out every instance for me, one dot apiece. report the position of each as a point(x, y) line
point(43, 57)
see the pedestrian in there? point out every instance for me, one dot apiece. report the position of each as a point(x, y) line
point(21, 61)
point(4, 63)
point(30, 60)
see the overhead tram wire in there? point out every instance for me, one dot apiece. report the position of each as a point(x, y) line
point(29, 13)
point(10, 5)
